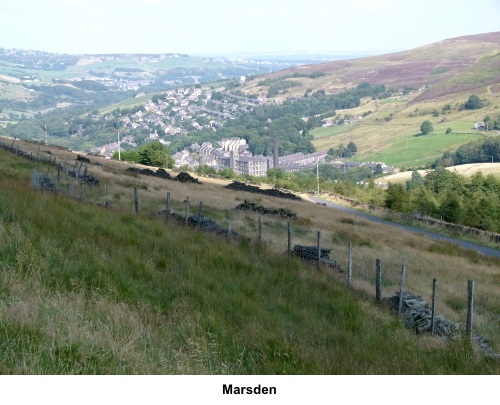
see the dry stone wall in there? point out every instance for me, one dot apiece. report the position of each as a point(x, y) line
point(417, 315)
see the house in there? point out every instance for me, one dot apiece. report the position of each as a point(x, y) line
point(253, 165)
point(481, 126)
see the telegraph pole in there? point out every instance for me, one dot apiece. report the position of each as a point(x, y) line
point(317, 174)
point(119, 147)
point(46, 139)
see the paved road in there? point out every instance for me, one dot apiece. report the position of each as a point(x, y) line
point(487, 251)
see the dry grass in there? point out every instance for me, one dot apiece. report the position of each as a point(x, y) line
point(426, 259)
point(464, 170)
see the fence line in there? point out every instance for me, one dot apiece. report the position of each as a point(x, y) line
point(245, 224)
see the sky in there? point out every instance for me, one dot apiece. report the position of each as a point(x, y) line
point(238, 27)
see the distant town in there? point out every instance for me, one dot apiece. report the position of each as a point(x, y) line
point(184, 110)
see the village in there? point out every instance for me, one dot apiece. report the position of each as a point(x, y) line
point(178, 112)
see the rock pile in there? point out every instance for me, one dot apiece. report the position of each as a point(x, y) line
point(311, 253)
point(162, 173)
point(274, 192)
point(248, 206)
point(42, 181)
point(417, 316)
point(206, 224)
point(84, 178)
point(184, 177)
point(82, 159)
point(144, 172)
point(203, 223)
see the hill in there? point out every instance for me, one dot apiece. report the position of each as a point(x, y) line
point(102, 291)
point(434, 83)
point(437, 65)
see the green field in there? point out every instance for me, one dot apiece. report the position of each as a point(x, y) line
point(417, 151)
point(390, 133)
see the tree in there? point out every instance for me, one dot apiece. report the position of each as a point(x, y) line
point(155, 154)
point(451, 208)
point(488, 123)
point(448, 131)
point(426, 127)
point(397, 197)
point(378, 169)
point(473, 103)
point(352, 147)
point(416, 181)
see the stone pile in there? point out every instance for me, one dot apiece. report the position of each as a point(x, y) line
point(274, 192)
point(184, 177)
point(84, 178)
point(310, 252)
point(417, 316)
point(248, 206)
point(42, 181)
point(206, 224)
point(144, 172)
point(82, 158)
point(162, 173)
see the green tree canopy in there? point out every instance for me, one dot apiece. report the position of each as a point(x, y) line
point(155, 154)
point(426, 127)
point(473, 103)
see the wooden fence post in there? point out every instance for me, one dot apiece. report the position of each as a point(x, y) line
point(470, 307)
point(229, 228)
point(187, 209)
point(402, 289)
point(136, 200)
point(319, 248)
point(199, 214)
point(168, 202)
point(378, 281)
point(105, 195)
point(349, 267)
point(289, 239)
point(433, 308)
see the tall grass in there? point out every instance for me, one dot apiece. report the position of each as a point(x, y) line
point(85, 290)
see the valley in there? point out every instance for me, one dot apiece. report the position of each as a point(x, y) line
point(125, 250)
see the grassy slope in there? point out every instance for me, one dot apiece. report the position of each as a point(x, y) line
point(87, 290)
point(396, 142)
point(453, 69)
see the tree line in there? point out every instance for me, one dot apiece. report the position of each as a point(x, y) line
point(446, 195)
point(481, 151)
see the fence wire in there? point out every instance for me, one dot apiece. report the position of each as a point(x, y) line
point(277, 234)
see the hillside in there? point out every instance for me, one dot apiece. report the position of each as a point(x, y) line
point(103, 291)
point(437, 65)
point(434, 82)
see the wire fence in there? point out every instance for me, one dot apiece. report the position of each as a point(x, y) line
point(347, 256)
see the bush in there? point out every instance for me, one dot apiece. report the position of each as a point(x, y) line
point(473, 103)
point(426, 127)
